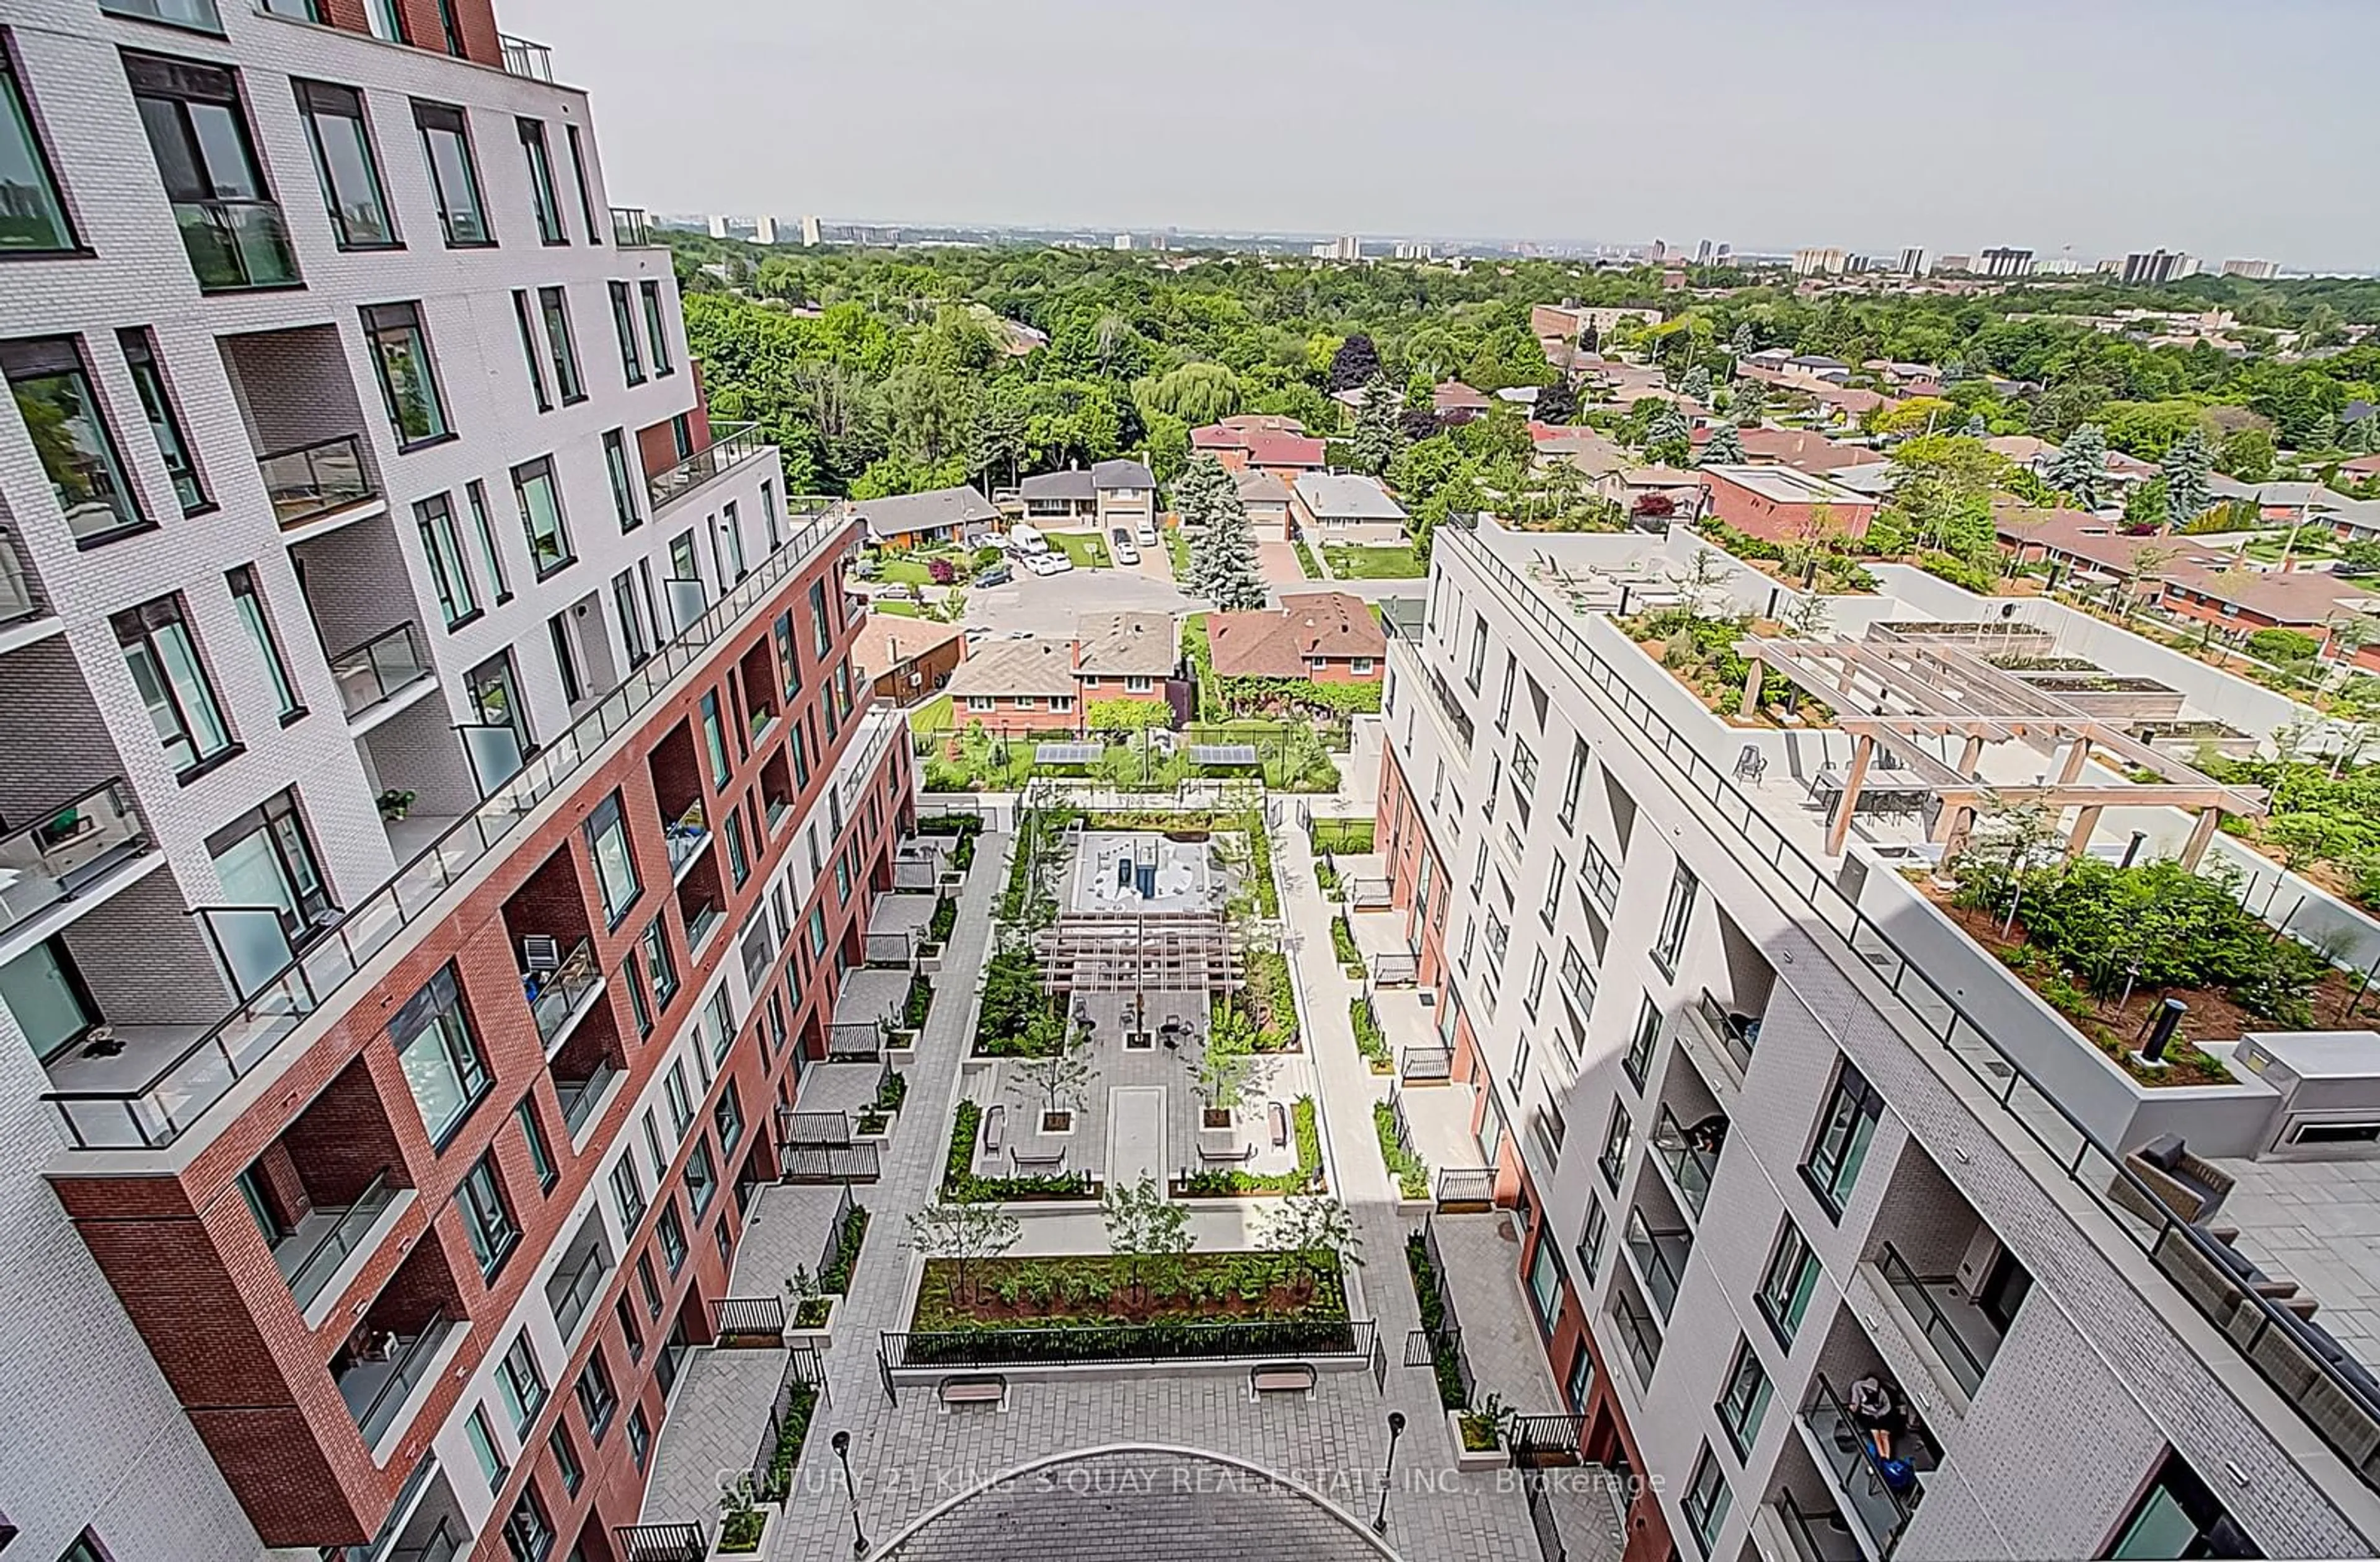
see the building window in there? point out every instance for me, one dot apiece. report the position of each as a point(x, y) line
point(565, 659)
point(164, 660)
point(341, 136)
point(1845, 1129)
point(648, 1285)
point(818, 931)
point(264, 859)
point(540, 1156)
point(440, 1058)
point(657, 332)
point(632, 622)
point(739, 862)
point(727, 1117)
point(1706, 1501)
point(1671, 940)
point(616, 863)
point(477, 491)
point(492, 1468)
point(486, 1219)
point(496, 698)
point(640, 1437)
point(565, 1458)
point(248, 603)
point(232, 229)
point(1639, 1057)
point(449, 579)
point(585, 186)
point(660, 968)
point(454, 174)
point(640, 1006)
point(529, 1534)
point(701, 1179)
point(554, 304)
point(521, 1383)
point(627, 1194)
point(598, 1400)
point(1591, 1237)
point(1787, 1283)
point(541, 513)
point(386, 20)
point(527, 325)
point(540, 183)
point(157, 405)
point(630, 1330)
point(1618, 1137)
point(624, 324)
point(408, 379)
point(672, 1236)
point(54, 393)
point(35, 219)
point(624, 485)
point(714, 740)
point(1744, 1398)
point(727, 540)
point(2179, 1517)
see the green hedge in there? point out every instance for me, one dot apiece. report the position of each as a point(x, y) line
point(1307, 1176)
point(961, 1183)
point(1369, 1039)
point(1411, 1172)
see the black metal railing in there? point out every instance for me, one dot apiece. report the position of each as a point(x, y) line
point(236, 244)
point(631, 228)
point(731, 445)
point(662, 1543)
point(1465, 1188)
point(821, 1163)
point(525, 58)
point(847, 1210)
point(1542, 1440)
point(1393, 969)
point(555, 996)
point(748, 1317)
point(1541, 1517)
point(313, 480)
point(797, 1129)
point(1136, 1344)
point(66, 847)
point(804, 1373)
point(1439, 1338)
point(313, 1270)
point(1691, 1167)
point(1879, 1507)
point(855, 1041)
point(1428, 1066)
point(1917, 1294)
point(380, 670)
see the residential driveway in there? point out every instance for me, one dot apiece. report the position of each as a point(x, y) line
point(1279, 562)
point(1050, 605)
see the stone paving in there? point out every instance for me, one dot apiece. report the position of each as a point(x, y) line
point(907, 1456)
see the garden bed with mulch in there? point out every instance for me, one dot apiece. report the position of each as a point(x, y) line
point(1090, 1290)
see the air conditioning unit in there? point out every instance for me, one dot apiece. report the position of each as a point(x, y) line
point(2327, 1085)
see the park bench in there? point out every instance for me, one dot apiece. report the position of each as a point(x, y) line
point(1281, 1377)
point(1279, 1117)
point(995, 1125)
point(982, 1388)
point(1039, 1160)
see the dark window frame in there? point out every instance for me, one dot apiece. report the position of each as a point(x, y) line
point(317, 100)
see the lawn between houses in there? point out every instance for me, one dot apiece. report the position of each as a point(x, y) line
point(1353, 561)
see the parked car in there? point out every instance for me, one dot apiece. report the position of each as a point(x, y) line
point(896, 592)
point(1149, 533)
point(1050, 563)
point(1022, 539)
point(997, 575)
point(1119, 545)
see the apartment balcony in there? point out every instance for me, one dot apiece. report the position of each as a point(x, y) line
point(21, 599)
point(524, 58)
point(1941, 1278)
point(315, 481)
point(1876, 1472)
point(731, 446)
point(379, 678)
point(588, 1065)
point(1639, 1331)
point(237, 246)
point(583, 1090)
point(1689, 1153)
point(71, 851)
point(1658, 1254)
point(327, 1236)
point(578, 1275)
point(379, 1381)
point(425, 1523)
point(561, 996)
point(307, 424)
point(631, 228)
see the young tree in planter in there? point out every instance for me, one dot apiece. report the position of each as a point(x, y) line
point(1316, 1235)
point(964, 1231)
point(1059, 1073)
point(1226, 1064)
point(1150, 1232)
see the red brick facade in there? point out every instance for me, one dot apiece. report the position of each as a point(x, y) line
point(426, 24)
point(194, 1269)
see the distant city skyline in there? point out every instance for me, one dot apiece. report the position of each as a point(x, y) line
point(2025, 124)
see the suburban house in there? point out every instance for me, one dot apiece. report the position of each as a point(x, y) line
point(1255, 447)
point(1328, 636)
point(2361, 467)
point(1590, 450)
point(1567, 323)
point(1017, 686)
point(1266, 499)
point(1457, 403)
point(1344, 508)
point(1780, 504)
point(939, 514)
point(1118, 655)
point(1111, 494)
point(1804, 450)
point(906, 660)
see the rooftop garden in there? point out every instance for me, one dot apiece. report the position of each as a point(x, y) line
point(1698, 650)
point(2325, 823)
point(2106, 946)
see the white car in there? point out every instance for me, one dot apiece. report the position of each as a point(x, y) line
point(1050, 563)
point(1119, 545)
point(1148, 534)
point(897, 591)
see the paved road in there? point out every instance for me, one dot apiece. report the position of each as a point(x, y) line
point(1050, 605)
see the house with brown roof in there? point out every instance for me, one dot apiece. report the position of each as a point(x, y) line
point(1589, 450)
point(1804, 450)
point(1261, 447)
point(1119, 654)
point(1327, 637)
point(1455, 402)
point(1656, 497)
point(1266, 499)
point(906, 660)
point(1048, 683)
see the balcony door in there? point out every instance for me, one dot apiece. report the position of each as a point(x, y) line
point(46, 993)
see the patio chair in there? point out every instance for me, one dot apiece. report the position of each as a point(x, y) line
point(2185, 1185)
point(995, 1126)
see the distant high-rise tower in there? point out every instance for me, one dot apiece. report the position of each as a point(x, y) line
point(1704, 252)
point(810, 232)
point(764, 230)
point(2006, 263)
point(1659, 252)
point(2253, 271)
point(2152, 267)
point(1912, 261)
point(1123, 241)
point(718, 227)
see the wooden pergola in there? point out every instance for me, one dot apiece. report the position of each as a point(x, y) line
point(1900, 687)
point(1139, 952)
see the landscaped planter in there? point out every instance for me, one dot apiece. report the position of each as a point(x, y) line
point(952, 880)
point(764, 1547)
point(902, 1046)
point(1416, 1207)
point(862, 1134)
point(819, 1335)
point(1468, 1458)
point(930, 959)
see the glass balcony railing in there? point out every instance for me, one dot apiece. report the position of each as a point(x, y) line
point(573, 1290)
point(1690, 1165)
point(316, 479)
point(1639, 1334)
point(310, 1266)
point(525, 58)
point(376, 1390)
point(18, 598)
point(1736, 1033)
point(1875, 1505)
point(700, 923)
point(1661, 1259)
point(235, 245)
point(67, 848)
point(160, 1109)
point(580, 1097)
point(631, 228)
point(731, 443)
point(554, 997)
point(380, 670)
point(1921, 1297)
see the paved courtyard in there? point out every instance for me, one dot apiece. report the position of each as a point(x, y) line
point(911, 1453)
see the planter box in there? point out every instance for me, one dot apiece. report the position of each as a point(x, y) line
point(1416, 1207)
point(822, 1336)
point(952, 880)
point(1466, 1459)
point(771, 1526)
point(930, 959)
point(883, 1136)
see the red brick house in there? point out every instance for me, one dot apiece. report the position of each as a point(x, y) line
point(1328, 636)
point(1782, 505)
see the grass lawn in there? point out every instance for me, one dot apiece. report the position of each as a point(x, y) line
point(1085, 549)
point(898, 609)
point(1178, 547)
point(1395, 563)
point(934, 715)
point(907, 571)
point(1305, 560)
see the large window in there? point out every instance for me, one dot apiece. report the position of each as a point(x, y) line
point(701, 1179)
point(656, 328)
point(54, 395)
point(624, 482)
point(714, 740)
point(2180, 1517)
point(540, 183)
point(525, 323)
point(443, 547)
point(1744, 1398)
point(1706, 1501)
point(553, 306)
point(454, 174)
point(32, 217)
point(439, 1056)
point(1845, 1130)
point(408, 379)
point(529, 1534)
point(386, 19)
point(1669, 940)
point(164, 419)
point(491, 1459)
point(616, 865)
point(632, 622)
point(585, 186)
point(540, 512)
point(598, 1400)
point(249, 601)
point(341, 136)
point(672, 1235)
point(1591, 1237)
point(231, 227)
point(165, 664)
point(487, 1219)
point(1787, 1285)
point(496, 698)
point(627, 1194)
point(1619, 1135)
point(477, 492)
point(661, 966)
point(1638, 1059)
point(264, 859)
point(623, 323)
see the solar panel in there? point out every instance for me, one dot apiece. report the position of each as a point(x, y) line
point(1067, 753)
point(1222, 753)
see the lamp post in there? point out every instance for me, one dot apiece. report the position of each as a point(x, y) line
point(842, 1442)
point(1396, 1429)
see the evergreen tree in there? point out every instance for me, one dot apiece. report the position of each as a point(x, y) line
point(2080, 467)
point(1668, 438)
point(1224, 560)
point(1589, 338)
point(1199, 496)
point(1356, 362)
point(2187, 492)
point(1741, 343)
point(1724, 448)
point(2358, 438)
point(1697, 383)
point(1379, 427)
point(1749, 401)
point(1558, 403)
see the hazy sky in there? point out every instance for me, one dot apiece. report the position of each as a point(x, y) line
point(2225, 127)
